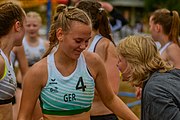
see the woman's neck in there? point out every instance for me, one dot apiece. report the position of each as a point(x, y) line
point(64, 59)
point(93, 34)
point(6, 45)
point(64, 64)
point(164, 40)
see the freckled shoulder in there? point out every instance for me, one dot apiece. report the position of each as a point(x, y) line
point(91, 58)
point(38, 71)
point(93, 62)
point(40, 65)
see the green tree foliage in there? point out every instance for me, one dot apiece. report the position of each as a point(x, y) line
point(151, 5)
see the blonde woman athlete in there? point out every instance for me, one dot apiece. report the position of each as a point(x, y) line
point(65, 80)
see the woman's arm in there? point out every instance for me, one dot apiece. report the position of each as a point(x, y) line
point(21, 57)
point(33, 82)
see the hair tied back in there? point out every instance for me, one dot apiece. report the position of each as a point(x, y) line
point(61, 8)
point(100, 10)
point(171, 13)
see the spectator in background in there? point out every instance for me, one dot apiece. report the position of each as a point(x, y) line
point(34, 45)
point(116, 19)
point(164, 28)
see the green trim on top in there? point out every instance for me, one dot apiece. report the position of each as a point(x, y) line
point(65, 112)
point(5, 71)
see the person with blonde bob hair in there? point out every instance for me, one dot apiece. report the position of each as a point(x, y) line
point(142, 65)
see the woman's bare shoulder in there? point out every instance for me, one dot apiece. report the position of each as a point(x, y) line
point(103, 43)
point(39, 67)
point(91, 58)
point(93, 61)
point(173, 49)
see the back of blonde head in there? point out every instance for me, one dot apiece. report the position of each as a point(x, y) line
point(142, 56)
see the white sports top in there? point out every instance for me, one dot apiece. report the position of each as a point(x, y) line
point(12, 57)
point(96, 39)
point(164, 47)
point(67, 95)
point(8, 81)
point(34, 54)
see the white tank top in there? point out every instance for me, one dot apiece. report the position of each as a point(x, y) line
point(34, 54)
point(164, 47)
point(12, 57)
point(96, 39)
point(67, 95)
point(8, 81)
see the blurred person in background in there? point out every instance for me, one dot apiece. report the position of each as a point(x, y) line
point(116, 20)
point(164, 28)
point(34, 45)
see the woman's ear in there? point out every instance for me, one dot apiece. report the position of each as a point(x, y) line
point(59, 34)
point(17, 26)
point(158, 27)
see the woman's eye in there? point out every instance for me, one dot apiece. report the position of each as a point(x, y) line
point(78, 41)
point(87, 41)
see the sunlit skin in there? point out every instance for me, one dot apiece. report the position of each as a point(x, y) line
point(123, 68)
point(75, 41)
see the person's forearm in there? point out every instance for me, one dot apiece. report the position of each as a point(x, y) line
point(23, 118)
point(118, 107)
